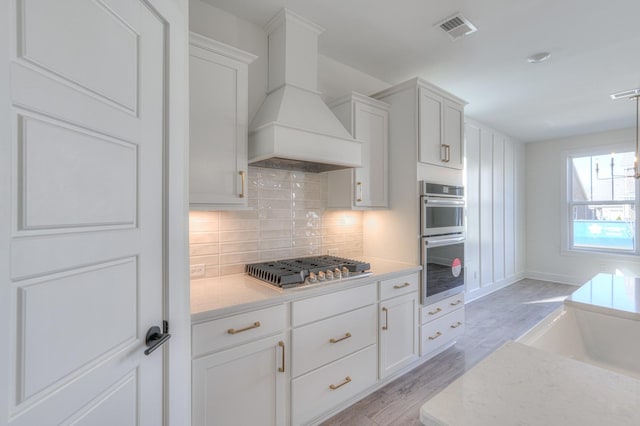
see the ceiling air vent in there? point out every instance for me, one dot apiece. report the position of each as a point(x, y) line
point(457, 26)
point(625, 94)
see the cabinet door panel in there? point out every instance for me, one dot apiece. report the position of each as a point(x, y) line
point(218, 129)
point(431, 119)
point(371, 127)
point(398, 333)
point(240, 386)
point(453, 134)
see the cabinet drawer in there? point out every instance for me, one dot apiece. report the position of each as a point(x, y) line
point(442, 331)
point(399, 286)
point(320, 307)
point(439, 309)
point(326, 387)
point(325, 341)
point(224, 332)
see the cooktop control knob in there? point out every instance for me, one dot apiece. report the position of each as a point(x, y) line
point(345, 272)
point(329, 274)
point(312, 277)
point(321, 276)
point(337, 274)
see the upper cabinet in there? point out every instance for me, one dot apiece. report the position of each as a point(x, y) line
point(440, 121)
point(441, 130)
point(364, 187)
point(218, 82)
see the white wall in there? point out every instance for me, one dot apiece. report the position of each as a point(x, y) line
point(495, 179)
point(334, 78)
point(543, 188)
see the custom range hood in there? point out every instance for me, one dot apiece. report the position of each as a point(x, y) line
point(294, 129)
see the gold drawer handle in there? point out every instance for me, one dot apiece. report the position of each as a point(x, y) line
point(457, 302)
point(435, 336)
point(281, 344)
point(234, 331)
point(346, 380)
point(437, 311)
point(334, 340)
point(456, 325)
point(402, 286)
point(386, 319)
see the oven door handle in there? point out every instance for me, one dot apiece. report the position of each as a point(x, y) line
point(432, 242)
point(447, 202)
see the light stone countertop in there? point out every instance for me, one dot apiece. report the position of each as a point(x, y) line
point(522, 385)
point(609, 294)
point(217, 297)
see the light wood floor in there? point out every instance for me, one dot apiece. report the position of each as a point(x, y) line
point(490, 322)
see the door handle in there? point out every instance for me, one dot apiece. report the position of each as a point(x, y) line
point(156, 338)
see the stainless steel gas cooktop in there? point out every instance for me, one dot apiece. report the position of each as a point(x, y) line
point(290, 273)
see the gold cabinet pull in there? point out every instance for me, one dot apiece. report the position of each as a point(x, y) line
point(386, 319)
point(435, 312)
point(435, 336)
point(401, 285)
point(447, 153)
point(334, 340)
point(456, 325)
point(242, 175)
point(457, 302)
point(281, 344)
point(359, 187)
point(234, 331)
point(346, 380)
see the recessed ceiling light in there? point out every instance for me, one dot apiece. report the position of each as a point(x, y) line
point(539, 57)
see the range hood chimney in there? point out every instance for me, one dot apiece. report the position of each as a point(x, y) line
point(294, 129)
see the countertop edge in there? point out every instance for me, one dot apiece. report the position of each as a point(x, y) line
point(281, 297)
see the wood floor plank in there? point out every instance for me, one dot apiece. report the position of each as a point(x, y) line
point(490, 322)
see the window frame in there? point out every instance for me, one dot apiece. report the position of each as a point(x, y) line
point(567, 204)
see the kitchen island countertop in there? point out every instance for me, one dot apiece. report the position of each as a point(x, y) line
point(522, 385)
point(216, 297)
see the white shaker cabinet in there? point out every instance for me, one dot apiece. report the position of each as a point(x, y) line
point(363, 187)
point(241, 386)
point(218, 126)
point(441, 123)
point(398, 325)
point(240, 369)
point(439, 130)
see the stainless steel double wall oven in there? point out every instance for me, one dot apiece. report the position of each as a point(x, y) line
point(442, 242)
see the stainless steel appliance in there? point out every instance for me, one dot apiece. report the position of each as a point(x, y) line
point(442, 243)
point(303, 271)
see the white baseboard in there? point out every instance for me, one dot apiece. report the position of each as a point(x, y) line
point(488, 289)
point(556, 278)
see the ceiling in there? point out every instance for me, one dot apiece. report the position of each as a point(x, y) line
point(594, 45)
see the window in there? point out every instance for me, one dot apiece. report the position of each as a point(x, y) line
point(601, 209)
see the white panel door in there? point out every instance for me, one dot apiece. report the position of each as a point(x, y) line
point(84, 202)
point(431, 120)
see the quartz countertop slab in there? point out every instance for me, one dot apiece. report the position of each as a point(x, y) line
point(221, 296)
point(522, 385)
point(609, 294)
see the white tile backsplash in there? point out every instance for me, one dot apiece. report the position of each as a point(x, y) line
point(287, 219)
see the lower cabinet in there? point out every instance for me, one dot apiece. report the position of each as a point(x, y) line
point(295, 363)
point(323, 389)
point(398, 333)
point(245, 385)
point(442, 323)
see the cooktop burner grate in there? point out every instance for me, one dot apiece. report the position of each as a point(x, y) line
point(294, 272)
